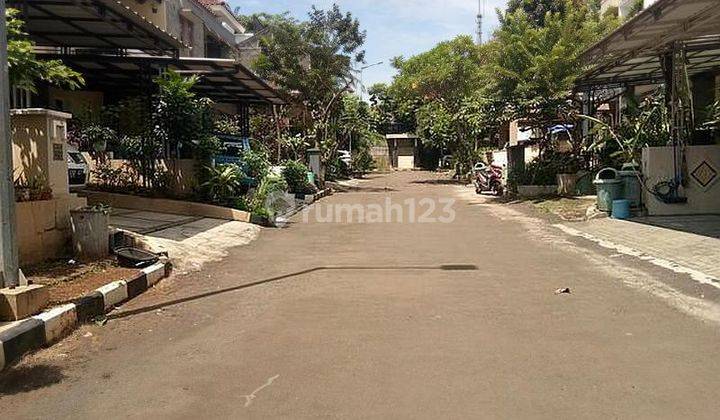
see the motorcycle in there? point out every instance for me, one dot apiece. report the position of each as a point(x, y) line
point(489, 178)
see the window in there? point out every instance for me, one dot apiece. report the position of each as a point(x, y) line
point(20, 98)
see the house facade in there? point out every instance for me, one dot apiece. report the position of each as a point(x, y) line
point(198, 37)
point(673, 45)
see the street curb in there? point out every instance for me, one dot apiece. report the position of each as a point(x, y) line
point(308, 200)
point(311, 198)
point(48, 327)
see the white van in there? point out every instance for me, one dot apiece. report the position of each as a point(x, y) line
point(78, 170)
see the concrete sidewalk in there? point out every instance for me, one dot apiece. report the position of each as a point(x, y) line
point(190, 241)
point(690, 244)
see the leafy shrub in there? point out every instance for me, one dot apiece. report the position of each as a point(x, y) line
point(543, 170)
point(240, 203)
point(534, 173)
point(257, 165)
point(111, 179)
point(33, 188)
point(94, 137)
point(227, 124)
point(363, 162)
point(337, 169)
point(270, 185)
point(224, 184)
point(295, 174)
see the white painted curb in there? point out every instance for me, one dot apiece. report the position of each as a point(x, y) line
point(58, 322)
point(114, 293)
point(154, 273)
point(50, 326)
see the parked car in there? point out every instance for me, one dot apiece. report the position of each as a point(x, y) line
point(78, 170)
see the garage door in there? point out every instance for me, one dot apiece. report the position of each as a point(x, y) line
point(406, 162)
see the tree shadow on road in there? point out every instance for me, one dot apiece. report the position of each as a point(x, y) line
point(443, 267)
point(24, 378)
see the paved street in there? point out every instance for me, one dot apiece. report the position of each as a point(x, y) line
point(394, 320)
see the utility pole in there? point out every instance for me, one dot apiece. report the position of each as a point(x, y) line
point(481, 12)
point(362, 70)
point(9, 268)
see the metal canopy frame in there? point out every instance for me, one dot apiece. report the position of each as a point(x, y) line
point(632, 54)
point(222, 80)
point(97, 24)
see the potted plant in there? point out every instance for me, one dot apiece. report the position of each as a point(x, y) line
point(568, 172)
point(535, 179)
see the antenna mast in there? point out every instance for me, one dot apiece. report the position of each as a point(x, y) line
point(481, 11)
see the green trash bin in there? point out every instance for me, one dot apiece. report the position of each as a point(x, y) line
point(632, 187)
point(609, 188)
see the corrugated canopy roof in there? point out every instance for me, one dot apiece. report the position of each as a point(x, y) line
point(101, 24)
point(222, 80)
point(631, 54)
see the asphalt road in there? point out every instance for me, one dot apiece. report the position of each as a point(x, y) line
point(391, 320)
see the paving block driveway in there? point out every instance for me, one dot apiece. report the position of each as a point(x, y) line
point(393, 320)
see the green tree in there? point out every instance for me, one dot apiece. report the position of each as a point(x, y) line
point(184, 122)
point(258, 22)
point(636, 7)
point(390, 114)
point(536, 71)
point(443, 89)
point(312, 61)
point(25, 70)
point(536, 10)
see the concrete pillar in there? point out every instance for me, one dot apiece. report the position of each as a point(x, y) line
point(9, 270)
point(40, 147)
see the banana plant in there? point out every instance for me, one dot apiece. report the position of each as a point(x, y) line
point(648, 126)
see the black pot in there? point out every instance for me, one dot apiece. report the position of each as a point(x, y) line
point(135, 258)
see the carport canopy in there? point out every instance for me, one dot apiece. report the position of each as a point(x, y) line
point(631, 55)
point(98, 24)
point(222, 80)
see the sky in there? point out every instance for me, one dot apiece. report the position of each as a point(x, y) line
point(394, 27)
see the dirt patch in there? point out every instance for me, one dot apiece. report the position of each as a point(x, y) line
point(69, 280)
point(567, 208)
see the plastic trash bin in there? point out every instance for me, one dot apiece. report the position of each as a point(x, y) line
point(621, 209)
point(632, 187)
point(609, 188)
